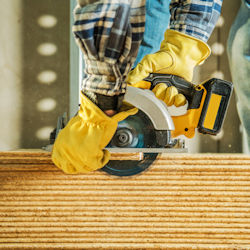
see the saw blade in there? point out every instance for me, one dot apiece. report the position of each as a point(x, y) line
point(136, 131)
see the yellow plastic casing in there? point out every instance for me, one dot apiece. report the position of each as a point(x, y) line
point(212, 111)
point(187, 123)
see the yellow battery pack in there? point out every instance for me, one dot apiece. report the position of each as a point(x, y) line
point(215, 105)
point(212, 111)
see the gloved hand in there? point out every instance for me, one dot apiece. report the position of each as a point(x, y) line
point(79, 147)
point(178, 55)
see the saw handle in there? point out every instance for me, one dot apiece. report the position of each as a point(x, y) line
point(193, 93)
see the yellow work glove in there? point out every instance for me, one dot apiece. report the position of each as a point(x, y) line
point(79, 147)
point(169, 95)
point(178, 55)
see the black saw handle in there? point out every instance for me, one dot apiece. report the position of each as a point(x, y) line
point(192, 92)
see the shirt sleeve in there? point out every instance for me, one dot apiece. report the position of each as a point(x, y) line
point(109, 33)
point(196, 18)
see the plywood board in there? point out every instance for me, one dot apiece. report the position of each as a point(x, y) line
point(182, 202)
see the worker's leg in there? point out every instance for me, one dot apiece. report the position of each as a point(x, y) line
point(157, 19)
point(239, 58)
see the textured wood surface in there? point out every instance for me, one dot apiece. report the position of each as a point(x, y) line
point(182, 202)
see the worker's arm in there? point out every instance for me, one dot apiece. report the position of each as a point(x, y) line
point(108, 33)
point(195, 17)
point(184, 46)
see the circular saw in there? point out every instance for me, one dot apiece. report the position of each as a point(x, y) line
point(153, 130)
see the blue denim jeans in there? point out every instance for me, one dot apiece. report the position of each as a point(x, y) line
point(239, 59)
point(157, 19)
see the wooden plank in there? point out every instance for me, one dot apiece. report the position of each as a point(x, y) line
point(40, 156)
point(183, 201)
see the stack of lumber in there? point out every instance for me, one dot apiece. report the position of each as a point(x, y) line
point(183, 201)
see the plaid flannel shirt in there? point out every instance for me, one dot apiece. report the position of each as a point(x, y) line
point(109, 33)
point(196, 18)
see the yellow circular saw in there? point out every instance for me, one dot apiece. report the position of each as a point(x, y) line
point(153, 130)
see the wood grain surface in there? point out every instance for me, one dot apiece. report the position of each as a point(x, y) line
point(183, 201)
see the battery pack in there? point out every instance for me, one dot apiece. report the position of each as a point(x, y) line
point(215, 105)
